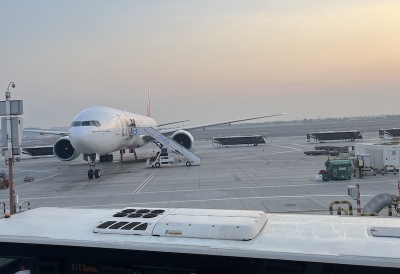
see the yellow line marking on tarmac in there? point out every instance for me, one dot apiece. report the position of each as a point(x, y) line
point(302, 145)
point(38, 180)
point(252, 156)
point(23, 170)
point(147, 181)
point(288, 147)
point(344, 183)
point(223, 199)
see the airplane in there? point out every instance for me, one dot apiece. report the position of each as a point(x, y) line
point(98, 131)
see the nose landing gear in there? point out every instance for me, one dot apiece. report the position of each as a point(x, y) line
point(92, 167)
point(90, 173)
point(95, 173)
point(91, 159)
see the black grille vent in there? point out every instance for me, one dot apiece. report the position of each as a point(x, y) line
point(141, 227)
point(135, 215)
point(118, 225)
point(129, 210)
point(150, 215)
point(138, 213)
point(120, 214)
point(130, 226)
point(143, 211)
point(158, 211)
point(123, 225)
point(106, 224)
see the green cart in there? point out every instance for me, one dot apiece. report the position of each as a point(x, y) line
point(338, 169)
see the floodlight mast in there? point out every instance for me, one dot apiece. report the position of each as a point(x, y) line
point(9, 154)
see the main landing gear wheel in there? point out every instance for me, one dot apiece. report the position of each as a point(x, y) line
point(97, 173)
point(157, 164)
point(106, 158)
point(90, 174)
point(188, 163)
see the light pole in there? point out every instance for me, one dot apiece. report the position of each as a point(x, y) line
point(12, 84)
point(9, 154)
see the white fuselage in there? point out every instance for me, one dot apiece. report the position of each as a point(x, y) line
point(102, 130)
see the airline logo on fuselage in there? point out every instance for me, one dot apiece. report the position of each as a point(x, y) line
point(134, 131)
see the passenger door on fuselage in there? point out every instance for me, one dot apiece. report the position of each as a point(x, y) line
point(123, 125)
point(116, 125)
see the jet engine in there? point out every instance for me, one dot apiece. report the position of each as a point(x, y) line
point(64, 151)
point(184, 138)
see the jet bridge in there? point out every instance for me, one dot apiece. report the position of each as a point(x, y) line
point(174, 147)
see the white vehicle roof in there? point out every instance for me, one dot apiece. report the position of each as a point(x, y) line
point(373, 241)
point(241, 136)
point(342, 131)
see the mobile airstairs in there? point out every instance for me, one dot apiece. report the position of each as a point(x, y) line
point(184, 156)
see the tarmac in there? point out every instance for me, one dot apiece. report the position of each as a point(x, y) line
point(275, 177)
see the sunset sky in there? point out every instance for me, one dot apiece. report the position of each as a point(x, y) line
point(204, 60)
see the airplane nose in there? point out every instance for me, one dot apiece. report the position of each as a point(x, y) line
point(80, 138)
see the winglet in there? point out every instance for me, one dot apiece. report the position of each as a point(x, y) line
point(148, 103)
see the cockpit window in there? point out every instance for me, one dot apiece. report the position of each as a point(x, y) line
point(85, 123)
point(76, 124)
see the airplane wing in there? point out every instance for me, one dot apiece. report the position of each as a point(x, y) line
point(165, 131)
point(218, 123)
point(49, 132)
point(170, 123)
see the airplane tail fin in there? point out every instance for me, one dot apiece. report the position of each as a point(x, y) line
point(148, 103)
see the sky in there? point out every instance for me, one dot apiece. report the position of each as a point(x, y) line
point(205, 61)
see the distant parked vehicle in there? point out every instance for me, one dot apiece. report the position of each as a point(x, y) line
point(29, 179)
point(4, 182)
point(226, 141)
point(321, 137)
